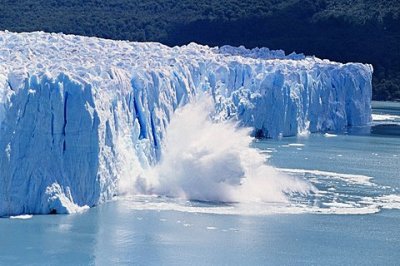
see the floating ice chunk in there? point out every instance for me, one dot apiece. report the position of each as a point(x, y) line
point(328, 135)
point(296, 145)
point(22, 217)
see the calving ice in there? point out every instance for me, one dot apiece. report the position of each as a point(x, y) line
point(82, 117)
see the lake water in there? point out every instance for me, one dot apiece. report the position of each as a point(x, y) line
point(351, 218)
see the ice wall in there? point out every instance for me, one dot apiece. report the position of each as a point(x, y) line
point(79, 114)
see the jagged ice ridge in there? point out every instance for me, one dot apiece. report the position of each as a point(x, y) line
point(75, 110)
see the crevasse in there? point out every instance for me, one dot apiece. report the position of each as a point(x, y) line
point(77, 113)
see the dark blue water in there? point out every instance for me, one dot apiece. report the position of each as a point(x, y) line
point(124, 232)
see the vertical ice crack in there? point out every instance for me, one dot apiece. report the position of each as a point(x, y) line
point(65, 119)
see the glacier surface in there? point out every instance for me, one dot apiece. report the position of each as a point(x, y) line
point(77, 113)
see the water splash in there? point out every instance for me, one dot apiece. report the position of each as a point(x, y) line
point(214, 162)
point(205, 166)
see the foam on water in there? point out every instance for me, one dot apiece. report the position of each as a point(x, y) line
point(336, 196)
point(350, 178)
point(207, 161)
point(385, 117)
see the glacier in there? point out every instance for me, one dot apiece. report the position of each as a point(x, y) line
point(78, 114)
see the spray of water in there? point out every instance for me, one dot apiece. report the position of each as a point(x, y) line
point(208, 161)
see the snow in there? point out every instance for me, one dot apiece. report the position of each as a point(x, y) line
point(79, 114)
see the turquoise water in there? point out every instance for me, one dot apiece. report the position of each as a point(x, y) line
point(353, 218)
point(114, 234)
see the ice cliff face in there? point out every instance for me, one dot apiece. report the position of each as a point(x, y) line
point(78, 113)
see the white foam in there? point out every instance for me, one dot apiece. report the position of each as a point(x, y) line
point(266, 151)
point(385, 117)
point(352, 210)
point(339, 204)
point(357, 179)
point(389, 201)
point(258, 209)
point(327, 200)
point(214, 162)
